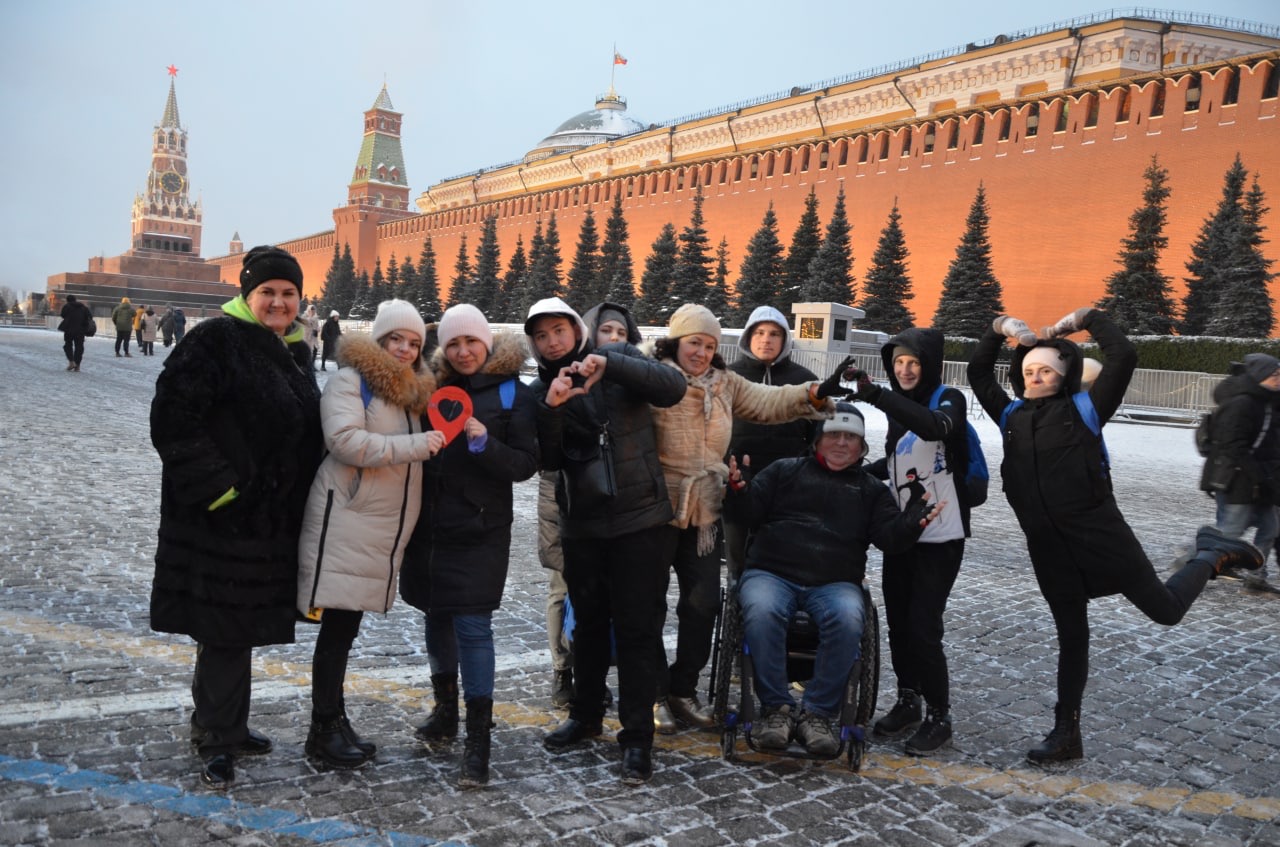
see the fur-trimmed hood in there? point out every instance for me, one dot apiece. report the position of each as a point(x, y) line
point(506, 360)
point(397, 384)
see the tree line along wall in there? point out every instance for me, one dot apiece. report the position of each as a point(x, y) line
point(1062, 174)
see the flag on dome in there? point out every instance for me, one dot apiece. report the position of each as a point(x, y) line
point(618, 58)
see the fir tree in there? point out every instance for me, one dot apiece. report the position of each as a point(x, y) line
point(585, 286)
point(1138, 295)
point(761, 274)
point(1244, 309)
point(888, 287)
point(408, 290)
point(718, 291)
point(460, 287)
point(1210, 254)
point(693, 261)
point(340, 282)
point(971, 294)
point(377, 285)
point(363, 307)
point(330, 293)
point(654, 305)
point(831, 271)
point(617, 270)
point(427, 295)
point(508, 310)
point(530, 285)
point(485, 284)
point(804, 246)
point(394, 282)
point(544, 264)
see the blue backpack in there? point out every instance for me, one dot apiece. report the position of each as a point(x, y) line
point(1084, 405)
point(976, 475)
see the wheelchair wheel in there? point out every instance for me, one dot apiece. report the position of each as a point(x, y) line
point(728, 646)
point(868, 686)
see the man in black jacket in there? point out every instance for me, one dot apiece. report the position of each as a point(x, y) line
point(595, 427)
point(1240, 470)
point(812, 520)
point(76, 319)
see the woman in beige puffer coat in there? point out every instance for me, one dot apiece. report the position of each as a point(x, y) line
point(362, 507)
point(693, 439)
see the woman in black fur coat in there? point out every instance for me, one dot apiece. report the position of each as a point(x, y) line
point(236, 421)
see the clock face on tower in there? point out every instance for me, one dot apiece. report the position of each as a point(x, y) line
point(171, 182)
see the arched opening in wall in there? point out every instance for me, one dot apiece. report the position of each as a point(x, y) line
point(786, 162)
point(1193, 94)
point(842, 152)
point(804, 158)
point(908, 136)
point(1063, 105)
point(1157, 99)
point(1121, 97)
point(653, 184)
point(706, 174)
point(576, 196)
point(159, 140)
point(723, 168)
point(666, 183)
point(737, 170)
point(1090, 110)
point(1270, 85)
point(693, 179)
point(862, 145)
point(884, 146)
point(755, 167)
point(173, 139)
point(979, 123)
point(930, 137)
point(1033, 120)
point(1002, 122)
point(1231, 92)
point(769, 160)
point(824, 156)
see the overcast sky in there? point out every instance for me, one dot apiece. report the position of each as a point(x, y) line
point(272, 93)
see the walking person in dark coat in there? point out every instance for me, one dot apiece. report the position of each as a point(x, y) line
point(166, 326)
point(179, 325)
point(76, 321)
point(925, 451)
point(122, 320)
point(236, 421)
point(455, 567)
point(1056, 481)
point(616, 537)
point(1241, 470)
point(329, 335)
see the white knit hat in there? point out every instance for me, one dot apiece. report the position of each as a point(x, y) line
point(692, 319)
point(398, 314)
point(464, 319)
point(1050, 357)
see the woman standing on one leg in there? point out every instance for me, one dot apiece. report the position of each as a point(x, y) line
point(456, 567)
point(1056, 481)
point(926, 451)
point(363, 505)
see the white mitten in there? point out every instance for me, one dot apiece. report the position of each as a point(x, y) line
point(1014, 328)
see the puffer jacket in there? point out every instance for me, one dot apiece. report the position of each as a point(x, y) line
point(122, 316)
point(812, 525)
point(693, 435)
point(367, 494)
point(1235, 468)
point(458, 556)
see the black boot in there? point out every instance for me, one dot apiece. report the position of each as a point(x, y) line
point(475, 751)
point(327, 741)
point(442, 723)
point(1223, 552)
point(1063, 743)
point(932, 733)
point(370, 749)
point(904, 715)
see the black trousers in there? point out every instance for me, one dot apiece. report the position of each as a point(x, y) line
point(220, 690)
point(338, 629)
point(1164, 602)
point(122, 341)
point(916, 585)
point(620, 583)
point(699, 580)
point(73, 346)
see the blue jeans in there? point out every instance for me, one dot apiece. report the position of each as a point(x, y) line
point(1234, 518)
point(463, 642)
point(768, 602)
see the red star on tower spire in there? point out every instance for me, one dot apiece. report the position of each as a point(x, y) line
point(173, 71)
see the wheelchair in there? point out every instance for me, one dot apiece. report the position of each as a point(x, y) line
point(730, 649)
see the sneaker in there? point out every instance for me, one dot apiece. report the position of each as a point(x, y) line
point(817, 735)
point(904, 715)
point(932, 734)
point(562, 688)
point(775, 729)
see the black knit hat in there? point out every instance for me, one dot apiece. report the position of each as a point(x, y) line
point(266, 262)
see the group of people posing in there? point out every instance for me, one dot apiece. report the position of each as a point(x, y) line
point(281, 503)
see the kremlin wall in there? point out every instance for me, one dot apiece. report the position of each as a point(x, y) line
point(1057, 123)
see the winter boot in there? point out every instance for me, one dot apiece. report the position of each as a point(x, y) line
point(1063, 743)
point(904, 715)
point(1223, 551)
point(327, 741)
point(370, 749)
point(475, 751)
point(562, 688)
point(442, 723)
point(933, 732)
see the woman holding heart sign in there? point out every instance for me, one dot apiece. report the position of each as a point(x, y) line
point(456, 567)
point(363, 506)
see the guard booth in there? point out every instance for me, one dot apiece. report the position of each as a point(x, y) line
point(828, 328)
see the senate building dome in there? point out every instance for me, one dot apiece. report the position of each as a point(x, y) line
point(607, 121)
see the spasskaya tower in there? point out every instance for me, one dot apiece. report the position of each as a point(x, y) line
point(165, 220)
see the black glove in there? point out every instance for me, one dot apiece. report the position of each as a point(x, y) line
point(917, 511)
point(831, 387)
point(866, 391)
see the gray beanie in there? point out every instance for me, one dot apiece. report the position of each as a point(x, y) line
point(1259, 366)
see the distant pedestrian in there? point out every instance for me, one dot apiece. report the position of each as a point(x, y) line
point(236, 421)
point(149, 326)
point(179, 325)
point(312, 322)
point(362, 508)
point(76, 321)
point(122, 320)
point(1242, 470)
point(139, 315)
point(329, 335)
point(166, 326)
point(1059, 486)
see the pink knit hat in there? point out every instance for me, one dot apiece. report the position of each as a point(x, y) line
point(464, 319)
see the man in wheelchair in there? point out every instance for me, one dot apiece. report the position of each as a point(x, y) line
point(810, 522)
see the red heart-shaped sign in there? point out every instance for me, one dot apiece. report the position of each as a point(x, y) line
point(448, 410)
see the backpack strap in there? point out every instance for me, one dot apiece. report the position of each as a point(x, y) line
point(507, 393)
point(1084, 405)
point(366, 393)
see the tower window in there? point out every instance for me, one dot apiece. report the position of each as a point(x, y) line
point(1122, 105)
point(1193, 95)
point(1033, 120)
point(930, 137)
point(1231, 95)
point(1091, 111)
point(884, 146)
point(979, 130)
point(1002, 124)
point(949, 132)
point(1157, 102)
point(906, 142)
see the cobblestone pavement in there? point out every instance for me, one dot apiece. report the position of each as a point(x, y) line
point(1180, 723)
